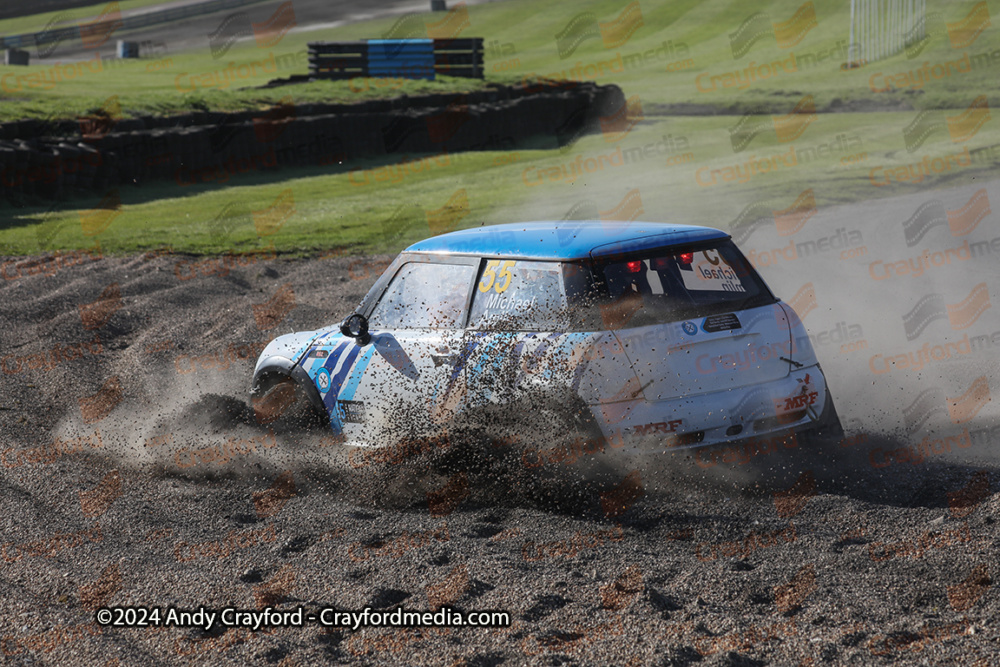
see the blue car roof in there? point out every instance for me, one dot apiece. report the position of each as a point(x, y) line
point(564, 240)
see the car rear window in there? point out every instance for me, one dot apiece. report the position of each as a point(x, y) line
point(683, 282)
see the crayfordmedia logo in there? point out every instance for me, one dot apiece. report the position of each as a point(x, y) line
point(786, 221)
point(97, 406)
point(533, 551)
point(237, 26)
point(222, 453)
point(397, 546)
point(446, 218)
point(14, 364)
point(848, 242)
point(218, 549)
point(395, 173)
point(272, 312)
point(185, 364)
point(960, 315)
point(96, 314)
point(961, 128)
point(760, 25)
point(585, 26)
point(743, 548)
point(49, 453)
point(959, 222)
point(786, 128)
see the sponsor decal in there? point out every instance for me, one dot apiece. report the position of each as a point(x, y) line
point(657, 427)
point(323, 381)
point(350, 411)
point(726, 322)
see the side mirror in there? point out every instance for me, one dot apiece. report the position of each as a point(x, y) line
point(356, 327)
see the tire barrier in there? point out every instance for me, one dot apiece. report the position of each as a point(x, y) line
point(46, 160)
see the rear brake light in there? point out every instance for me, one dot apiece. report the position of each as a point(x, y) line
point(686, 257)
point(634, 267)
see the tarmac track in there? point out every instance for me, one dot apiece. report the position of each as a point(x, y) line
point(199, 33)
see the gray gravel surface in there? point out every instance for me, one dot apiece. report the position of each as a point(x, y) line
point(125, 378)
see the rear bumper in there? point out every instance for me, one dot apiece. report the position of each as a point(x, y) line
point(793, 404)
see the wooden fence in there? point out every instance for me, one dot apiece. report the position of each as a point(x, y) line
point(397, 58)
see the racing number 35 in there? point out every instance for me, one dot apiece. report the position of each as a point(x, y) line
point(490, 276)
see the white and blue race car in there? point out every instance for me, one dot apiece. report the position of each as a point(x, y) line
point(656, 337)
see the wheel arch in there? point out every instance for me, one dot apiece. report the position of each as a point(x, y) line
point(274, 369)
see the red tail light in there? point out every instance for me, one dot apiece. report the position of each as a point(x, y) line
point(634, 267)
point(686, 257)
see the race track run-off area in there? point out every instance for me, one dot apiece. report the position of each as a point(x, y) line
point(163, 218)
point(134, 474)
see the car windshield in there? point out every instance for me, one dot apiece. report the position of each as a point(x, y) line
point(424, 295)
point(682, 282)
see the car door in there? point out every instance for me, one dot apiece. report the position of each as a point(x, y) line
point(519, 343)
point(406, 382)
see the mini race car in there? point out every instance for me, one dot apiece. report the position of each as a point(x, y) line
point(652, 336)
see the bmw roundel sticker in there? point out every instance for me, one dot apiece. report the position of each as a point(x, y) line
point(690, 328)
point(323, 380)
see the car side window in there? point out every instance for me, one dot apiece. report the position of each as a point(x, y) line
point(516, 295)
point(424, 295)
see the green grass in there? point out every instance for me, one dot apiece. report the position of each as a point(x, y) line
point(527, 29)
point(332, 211)
point(341, 210)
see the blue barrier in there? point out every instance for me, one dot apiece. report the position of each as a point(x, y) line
point(401, 58)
